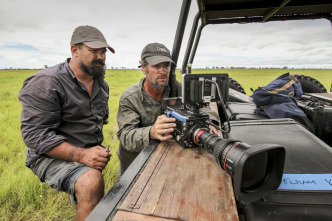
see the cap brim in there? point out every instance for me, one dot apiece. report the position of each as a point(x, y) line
point(98, 44)
point(153, 60)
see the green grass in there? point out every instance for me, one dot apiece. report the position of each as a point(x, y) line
point(24, 197)
point(254, 78)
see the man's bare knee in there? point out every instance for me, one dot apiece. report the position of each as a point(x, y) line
point(90, 185)
point(89, 190)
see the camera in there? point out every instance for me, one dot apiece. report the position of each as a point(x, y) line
point(256, 170)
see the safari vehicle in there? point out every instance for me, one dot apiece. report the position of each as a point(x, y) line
point(258, 168)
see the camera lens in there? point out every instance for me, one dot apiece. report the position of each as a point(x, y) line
point(256, 171)
point(253, 179)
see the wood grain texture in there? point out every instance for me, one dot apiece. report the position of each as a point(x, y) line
point(180, 184)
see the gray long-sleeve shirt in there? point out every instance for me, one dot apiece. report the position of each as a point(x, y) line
point(136, 114)
point(56, 107)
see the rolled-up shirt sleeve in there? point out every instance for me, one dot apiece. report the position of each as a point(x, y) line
point(132, 134)
point(41, 99)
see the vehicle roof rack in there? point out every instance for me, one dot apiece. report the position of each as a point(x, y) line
point(247, 11)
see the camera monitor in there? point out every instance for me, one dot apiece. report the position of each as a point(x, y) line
point(198, 88)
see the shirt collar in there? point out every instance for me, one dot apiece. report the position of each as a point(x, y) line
point(69, 70)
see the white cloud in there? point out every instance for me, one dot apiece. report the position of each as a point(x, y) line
point(130, 24)
point(292, 43)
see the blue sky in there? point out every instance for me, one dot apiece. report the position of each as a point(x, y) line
point(36, 33)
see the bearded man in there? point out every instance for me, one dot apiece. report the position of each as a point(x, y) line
point(140, 118)
point(63, 111)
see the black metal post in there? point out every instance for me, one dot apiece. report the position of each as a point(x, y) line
point(190, 43)
point(177, 43)
point(198, 36)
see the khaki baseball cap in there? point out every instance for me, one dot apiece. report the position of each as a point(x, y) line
point(155, 53)
point(90, 36)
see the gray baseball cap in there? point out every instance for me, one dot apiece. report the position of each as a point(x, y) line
point(155, 53)
point(90, 36)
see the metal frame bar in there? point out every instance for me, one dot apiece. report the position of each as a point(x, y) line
point(193, 51)
point(259, 19)
point(190, 43)
point(263, 4)
point(275, 10)
point(177, 44)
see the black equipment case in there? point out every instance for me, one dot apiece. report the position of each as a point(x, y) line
point(318, 108)
point(305, 192)
point(243, 111)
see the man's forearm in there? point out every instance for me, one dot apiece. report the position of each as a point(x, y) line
point(134, 139)
point(66, 151)
point(95, 157)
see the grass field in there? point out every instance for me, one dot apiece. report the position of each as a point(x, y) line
point(23, 197)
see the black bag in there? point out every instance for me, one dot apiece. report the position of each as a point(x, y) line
point(277, 100)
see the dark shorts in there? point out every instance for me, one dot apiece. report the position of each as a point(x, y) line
point(59, 174)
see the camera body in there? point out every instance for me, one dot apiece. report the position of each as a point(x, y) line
point(187, 120)
point(197, 92)
point(256, 170)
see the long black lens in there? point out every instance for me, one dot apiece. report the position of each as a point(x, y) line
point(256, 171)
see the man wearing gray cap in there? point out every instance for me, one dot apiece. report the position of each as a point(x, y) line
point(139, 115)
point(63, 111)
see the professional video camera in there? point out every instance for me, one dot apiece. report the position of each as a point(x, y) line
point(256, 170)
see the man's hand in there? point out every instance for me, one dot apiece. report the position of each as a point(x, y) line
point(213, 130)
point(95, 157)
point(162, 128)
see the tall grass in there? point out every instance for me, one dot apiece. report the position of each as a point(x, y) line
point(23, 196)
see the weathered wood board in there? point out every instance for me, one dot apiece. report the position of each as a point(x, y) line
point(180, 184)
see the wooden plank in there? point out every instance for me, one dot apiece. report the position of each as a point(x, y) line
point(135, 193)
point(128, 216)
point(143, 203)
point(164, 179)
point(182, 184)
point(199, 194)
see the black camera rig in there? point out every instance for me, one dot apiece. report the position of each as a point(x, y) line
point(198, 91)
point(256, 170)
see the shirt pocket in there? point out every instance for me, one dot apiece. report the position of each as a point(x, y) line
point(148, 117)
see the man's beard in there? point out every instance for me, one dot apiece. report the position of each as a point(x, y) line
point(95, 71)
point(155, 83)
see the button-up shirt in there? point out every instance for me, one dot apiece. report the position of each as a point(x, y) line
point(57, 107)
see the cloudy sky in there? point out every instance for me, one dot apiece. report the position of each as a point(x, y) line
point(35, 33)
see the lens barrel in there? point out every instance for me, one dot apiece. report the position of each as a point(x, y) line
point(256, 170)
point(219, 148)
